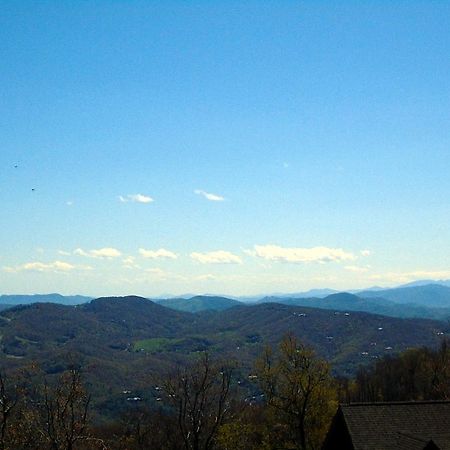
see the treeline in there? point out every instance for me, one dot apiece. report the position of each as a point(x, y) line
point(200, 406)
point(416, 374)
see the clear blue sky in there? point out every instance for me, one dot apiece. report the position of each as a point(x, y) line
point(223, 146)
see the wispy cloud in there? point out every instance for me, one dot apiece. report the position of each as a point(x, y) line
point(102, 253)
point(130, 263)
point(209, 196)
point(302, 255)
point(216, 257)
point(155, 254)
point(157, 272)
point(365, 252)
point(356, 269)
point(207, 277)
point(37, 266)
point(64, 253)
point(135, 198)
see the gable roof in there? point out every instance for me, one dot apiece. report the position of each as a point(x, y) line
point(394, 425)
point(409, 442)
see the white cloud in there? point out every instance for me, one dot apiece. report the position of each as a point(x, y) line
point(37, 266)
point(216, 257)
point(366, 252)
point(302, 255)
point(64, 253)
point(107, 252)
point(135, 198)
point(130, 263)
point(356, 269)
point(209, 196)
point(154, 254)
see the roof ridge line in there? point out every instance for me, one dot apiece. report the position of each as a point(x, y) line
point(400, 402)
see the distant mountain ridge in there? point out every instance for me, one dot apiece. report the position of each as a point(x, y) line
point(43, 298)
point(317, 293)
point(422, 301)
point(416, 300)
point(425, 282)
point(430, 295)
point(344, 301)
point(199, 303)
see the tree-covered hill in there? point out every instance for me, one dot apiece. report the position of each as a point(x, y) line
point(129, 340)
point(107, 327)
point(347, 339)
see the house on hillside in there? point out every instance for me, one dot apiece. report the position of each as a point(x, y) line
point(390, 426)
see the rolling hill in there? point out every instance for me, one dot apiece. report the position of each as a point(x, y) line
point(129, 337)
point(125, 344)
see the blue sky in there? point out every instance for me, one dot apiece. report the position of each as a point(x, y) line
point(223, 147)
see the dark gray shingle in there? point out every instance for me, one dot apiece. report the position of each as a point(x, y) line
point(388, 426)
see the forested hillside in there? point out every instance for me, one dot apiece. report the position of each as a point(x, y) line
point(128, 339)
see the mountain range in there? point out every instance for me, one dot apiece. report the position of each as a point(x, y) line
point(418, 300)
point(349, 302)
point(424, 301)
point(129, 340)
point(430, 295)
point(120, 323)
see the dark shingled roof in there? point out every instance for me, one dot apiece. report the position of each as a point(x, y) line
point(394, 425)
point(408, 442)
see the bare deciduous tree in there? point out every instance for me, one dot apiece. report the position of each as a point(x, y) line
point(64, 411)
point(200, 396)
point(8, 401)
